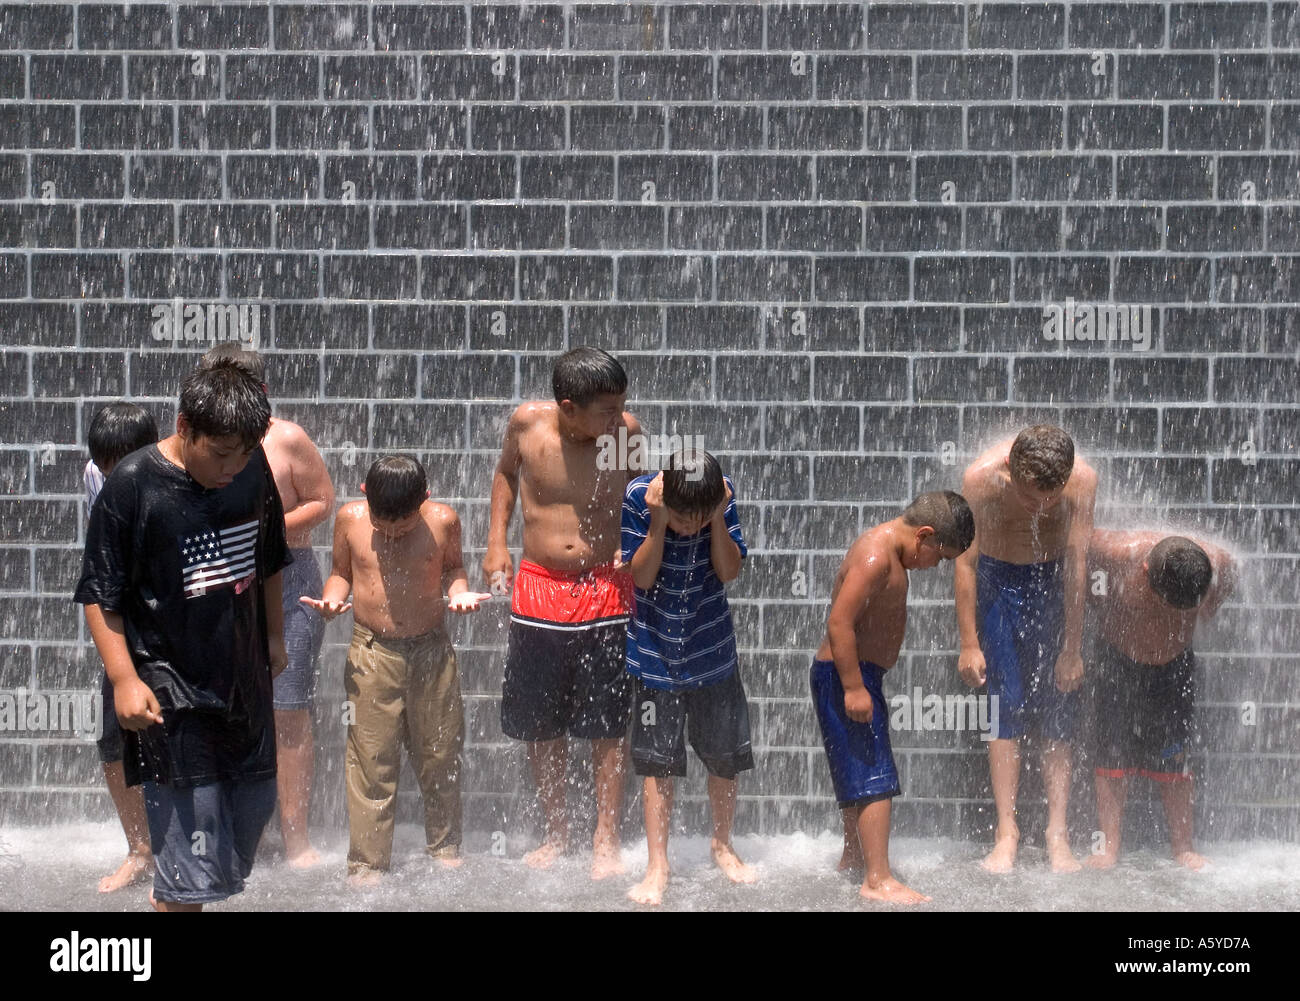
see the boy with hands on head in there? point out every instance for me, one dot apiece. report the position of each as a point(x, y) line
point(682, 542)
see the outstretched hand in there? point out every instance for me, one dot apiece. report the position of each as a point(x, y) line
point(467, 601)
point(327, 609)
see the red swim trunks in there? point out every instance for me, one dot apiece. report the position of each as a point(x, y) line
point(601, 596)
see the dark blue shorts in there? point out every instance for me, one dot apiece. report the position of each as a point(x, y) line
point(1020, 615)
point(110, 735)
point(1144, 715)
point(861, 759)
point(716, 716)
point(304, 630)
point(566, 680)
point(227, 817)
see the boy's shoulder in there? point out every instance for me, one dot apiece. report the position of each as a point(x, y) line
point(871, 545)
point(1083, 479)
point(285, 434)
point(134, 470)
point(987, 471)
point(437, 513)
point(353, 510)
point(531, 413)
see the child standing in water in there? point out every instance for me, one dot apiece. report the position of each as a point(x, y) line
point(116, 431)
point(1020, 599)
point(395, 552)
point(571, 600)
point(307, 496)
point(1156, 589)
point(181, 583)
point(864, 632)
point(682, 543)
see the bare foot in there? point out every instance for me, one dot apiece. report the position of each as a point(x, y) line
point(1059, 854)
point(1104, 860)
point(545, 854)
point(891, 891)
point(305, 859)
point(606, 861)
point(1191, 860)
point(726, 859)
point(363, 878)
point(450, 861)
point(135, 868)
point(651, 889)
point(1003, 856)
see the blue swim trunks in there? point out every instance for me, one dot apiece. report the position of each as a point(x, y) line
point(861, 760)
point(1020, 615)
point(304, 629)
point(204, 837)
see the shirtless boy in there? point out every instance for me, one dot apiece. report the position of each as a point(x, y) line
point(571, 601)
point(1157, 588)
point(308, 498)
point(1020, 598)
point(395, 552)
point(864, 633)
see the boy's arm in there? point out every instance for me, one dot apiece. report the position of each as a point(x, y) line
point(334, 595)
point(723, 550)
point(133, 700)
point(864, 578)
point(649, 555)
point(454, 579)
point(312, 482)
point(1069, 665)
point(970, 658)
point(505, 489)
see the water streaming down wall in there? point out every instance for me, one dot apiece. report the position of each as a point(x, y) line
point(823, 236)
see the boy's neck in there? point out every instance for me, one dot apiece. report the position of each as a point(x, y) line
point(170, 447)
point(897, 540)
point(569, 432)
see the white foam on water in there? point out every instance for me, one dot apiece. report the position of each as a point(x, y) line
point(57, 867)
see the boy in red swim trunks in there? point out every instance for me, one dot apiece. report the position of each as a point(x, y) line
point(1156, 590)
point(571, 601)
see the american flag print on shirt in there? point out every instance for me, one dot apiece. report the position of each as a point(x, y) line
point(219, 559)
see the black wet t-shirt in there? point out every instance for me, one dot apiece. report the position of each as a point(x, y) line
point(185, 566)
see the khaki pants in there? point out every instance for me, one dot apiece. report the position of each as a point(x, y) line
point(404, 692)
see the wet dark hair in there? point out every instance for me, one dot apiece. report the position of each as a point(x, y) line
point(225, 399)
point(947, 513)
point(693, 483)
point(117, 430)
point(229, 351)
point(584, 373)
point(1042, 455)
point(396, 486)
point(1179, 571)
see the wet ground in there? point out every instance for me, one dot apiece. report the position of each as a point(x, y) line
point(56, 869)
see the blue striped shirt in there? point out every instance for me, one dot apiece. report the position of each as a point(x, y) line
point(680, 635)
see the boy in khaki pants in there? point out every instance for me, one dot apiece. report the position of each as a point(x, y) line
point(394, 552)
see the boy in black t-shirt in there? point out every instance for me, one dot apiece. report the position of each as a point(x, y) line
point(181, 583)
